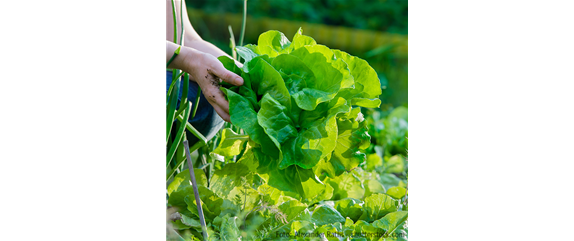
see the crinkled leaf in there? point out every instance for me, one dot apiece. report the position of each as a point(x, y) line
point(311, 145)
point(352, 139)
point(377, 206)
point(245, 53)
point(294, 179)
point(367, 84)
point(231, 143)
point(300, 40)
point(210, 203)
point(350, 208)
point(300, 81)
point(331, 231)
point(191, 222)
point(274, 119)
point(346, 185)
point(330, 78)
point(244, 116)
point(181, 187)
point(292, 209)
point(272, 43)
point(228, 229)
point(391, 221)
point(311, 53)
point(266, 80)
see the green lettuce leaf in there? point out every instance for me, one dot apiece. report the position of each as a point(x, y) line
point(272, 43)
point(346, 185)
point(391, 221)
point(325, 214)
point(231, 143)
point(230, 181)
point(274, 119)
point(377, 206)
point(211, 204)
point(227, 227)
point(181, 186)
point(349, 208)
point(397, 192)
point(295, 180)
point(300, 40)
point(244, 116)
point(367, 83)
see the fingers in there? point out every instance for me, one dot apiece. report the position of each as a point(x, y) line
point(227, 75)
point(216, 98)
point(223, 114)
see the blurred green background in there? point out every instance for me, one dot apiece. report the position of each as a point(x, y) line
point(374, 30)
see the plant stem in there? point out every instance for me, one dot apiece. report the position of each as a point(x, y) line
point(196, 102)
point(232, 40)
point(174, 55)
point(243, 23)
point(174, 21)
point(195, 191)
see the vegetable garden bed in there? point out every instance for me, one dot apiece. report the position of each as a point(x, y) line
point(302, 169)
point(299, 161)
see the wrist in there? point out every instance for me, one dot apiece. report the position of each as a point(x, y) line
point(189, 59)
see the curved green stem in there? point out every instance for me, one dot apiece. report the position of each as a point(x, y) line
point(243, 23)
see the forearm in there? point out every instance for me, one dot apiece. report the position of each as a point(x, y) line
point(205, 47)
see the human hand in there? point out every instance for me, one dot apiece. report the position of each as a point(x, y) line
point(208, 72)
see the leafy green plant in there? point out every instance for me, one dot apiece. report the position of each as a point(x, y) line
point(296, 106)
point(294, 164)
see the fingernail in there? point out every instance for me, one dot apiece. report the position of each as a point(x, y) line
point(239, 80)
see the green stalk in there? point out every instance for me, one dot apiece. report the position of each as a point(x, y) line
point(243, 23)
point(174, 55)
point(196, 102)
point(181, 19)
point(174, 21)
point(171, 107)
point(193, 148)
point(173, 82)
point(232, 42)
point(192, 129)
point(184, 93)
point(178, 137)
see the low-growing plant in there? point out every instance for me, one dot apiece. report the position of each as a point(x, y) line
point(299, 105)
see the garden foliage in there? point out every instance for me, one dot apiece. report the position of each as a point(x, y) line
point(296, 105)
point(305, 166)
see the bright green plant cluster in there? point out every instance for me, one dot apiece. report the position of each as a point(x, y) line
point(238, 204)
point(294, 164)
point(389, 133)
point(296, 106)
